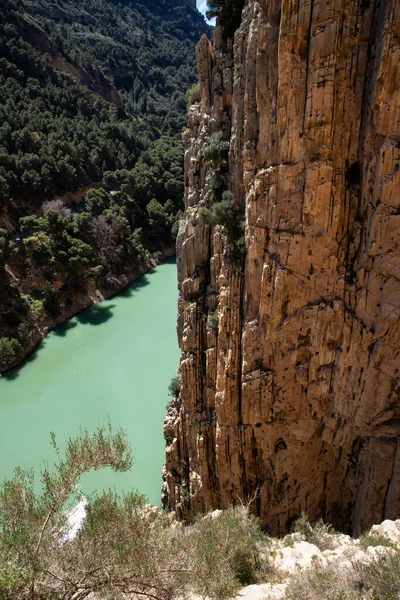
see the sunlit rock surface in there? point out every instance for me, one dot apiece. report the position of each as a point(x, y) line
point(294, 398)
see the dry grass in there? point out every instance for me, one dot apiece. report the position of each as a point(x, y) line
point(373, 539)
point(127, 550)
point(320, 534)
point(324, 584)
point(379, 580)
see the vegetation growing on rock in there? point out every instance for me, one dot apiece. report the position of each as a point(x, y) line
point(125, 548)
point(10, 348)
point(212, 319)
point(295, 383)
point(227, 213)
point(92, 98)
point(85, 87)
point(217, 149)
point(174, 387)
point(229, 13)
point(193, 94)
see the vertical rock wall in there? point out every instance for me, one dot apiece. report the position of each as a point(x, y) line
point(294, 399)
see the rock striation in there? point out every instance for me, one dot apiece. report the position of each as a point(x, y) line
point(292, 399)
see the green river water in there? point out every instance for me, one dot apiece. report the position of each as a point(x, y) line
point(114, 360)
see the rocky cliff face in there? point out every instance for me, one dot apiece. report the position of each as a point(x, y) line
point(293, 399)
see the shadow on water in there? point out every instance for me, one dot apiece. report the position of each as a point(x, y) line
point(62, 330)
point(130, 290)
point(143, 280)
point(96, 315)
point(14, 373)
point(170, 261)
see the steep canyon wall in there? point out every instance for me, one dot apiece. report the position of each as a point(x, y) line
point(292, 399)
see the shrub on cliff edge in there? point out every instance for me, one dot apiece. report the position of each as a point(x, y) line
point(124, 547)
point(217, 148)
point(229, 13)
point(10, 348)
point(224, 546)
point(228, 214)
point(213, 319)
point(174, 387)
point(193, 95)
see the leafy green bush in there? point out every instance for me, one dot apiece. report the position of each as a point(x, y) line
point(319, 533)
point(193, 94)
point(3, 245)
point(240, 247)
point(228, 214)
point(205, 216)
point(174, 387)
point(125, 547)
point(382, 577)
point(217, 184)
point(229, 13)
point(217, 149)
point(10, 349)
point(212, 319)
point(330, 583)
point(33, 524)
point(50, 300)
point(374, 539)
point(36, 304)
point(225, 548)
point(10, 580)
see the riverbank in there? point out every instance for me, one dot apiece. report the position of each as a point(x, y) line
point(112, 362)
point(41, 325)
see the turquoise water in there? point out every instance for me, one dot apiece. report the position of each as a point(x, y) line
point(114, 360)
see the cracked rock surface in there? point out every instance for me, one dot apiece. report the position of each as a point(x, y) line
point(293, 397)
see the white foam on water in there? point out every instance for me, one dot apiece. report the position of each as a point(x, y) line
point(75, 519)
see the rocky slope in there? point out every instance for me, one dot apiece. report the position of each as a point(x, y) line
point(294, 396)
point(318, 563)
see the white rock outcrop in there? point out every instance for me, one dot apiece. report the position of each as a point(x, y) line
point(263, 591)
point(389, 529)
point(299, 556)
point(292, 555)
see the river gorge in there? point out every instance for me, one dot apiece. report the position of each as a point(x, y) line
point(114, 360)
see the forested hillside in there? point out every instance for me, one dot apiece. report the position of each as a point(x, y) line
point(92, 100)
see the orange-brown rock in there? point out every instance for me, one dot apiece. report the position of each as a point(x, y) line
point(294, 399)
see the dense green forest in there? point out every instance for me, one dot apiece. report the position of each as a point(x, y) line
point(86, 86)
point(92, 97)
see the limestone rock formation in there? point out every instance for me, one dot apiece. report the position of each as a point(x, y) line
point(332, 563)
point(293, 398)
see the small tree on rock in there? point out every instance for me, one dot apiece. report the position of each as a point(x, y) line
point(10, 348)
